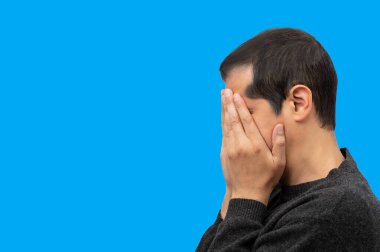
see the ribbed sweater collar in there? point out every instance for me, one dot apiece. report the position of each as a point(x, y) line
point(348, 165)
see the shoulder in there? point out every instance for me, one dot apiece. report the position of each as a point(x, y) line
point(353, 215)
point(347, 214)
point(357, 219)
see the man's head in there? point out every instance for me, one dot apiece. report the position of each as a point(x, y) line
point(285, 76)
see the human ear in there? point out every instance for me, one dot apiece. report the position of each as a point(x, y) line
point(301, 99)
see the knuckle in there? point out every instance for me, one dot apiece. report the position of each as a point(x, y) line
point(240, 151)
point(256, 151)
point(235, 120)
point(231, 154)
point(246, 120)
point(279, 163)
point(281, 141)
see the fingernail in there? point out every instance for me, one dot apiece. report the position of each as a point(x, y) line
point(227, 92)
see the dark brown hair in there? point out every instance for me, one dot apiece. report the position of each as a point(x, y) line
point(281, 58)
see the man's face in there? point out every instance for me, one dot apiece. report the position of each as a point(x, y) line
point(238, 80)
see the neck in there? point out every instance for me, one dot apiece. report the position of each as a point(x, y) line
point(312, 157)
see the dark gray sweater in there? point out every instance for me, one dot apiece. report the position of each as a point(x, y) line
point(336, 213)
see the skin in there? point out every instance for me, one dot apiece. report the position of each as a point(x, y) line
point(250, 168)
point(306, 152)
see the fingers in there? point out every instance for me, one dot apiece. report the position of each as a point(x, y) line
point(249, 124)
point(228, 136)
point(223, 110)
point(234, 123)
point(278, 150)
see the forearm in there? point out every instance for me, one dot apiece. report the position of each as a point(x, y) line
point(241, 226)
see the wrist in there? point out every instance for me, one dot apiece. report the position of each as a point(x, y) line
point(226, 200)
point(228, 191)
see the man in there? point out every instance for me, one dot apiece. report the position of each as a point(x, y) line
point(289, 187)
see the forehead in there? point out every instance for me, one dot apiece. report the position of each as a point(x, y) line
point(239, 78)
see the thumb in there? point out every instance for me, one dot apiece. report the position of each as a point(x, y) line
point(278, 150)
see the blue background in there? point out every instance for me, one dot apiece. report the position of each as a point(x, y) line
point(110, 114)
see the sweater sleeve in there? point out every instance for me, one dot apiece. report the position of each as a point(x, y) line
point(243, 230)
point(241, 226)
point(208, 236)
